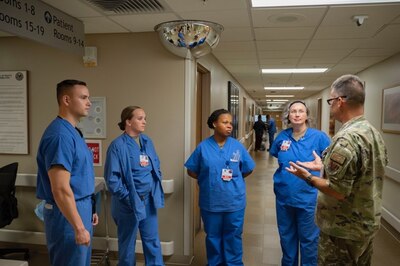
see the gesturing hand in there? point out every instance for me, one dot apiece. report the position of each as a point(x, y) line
point(315, 165)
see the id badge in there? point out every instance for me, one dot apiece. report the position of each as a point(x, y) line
point(227, 174)
point(144, 160)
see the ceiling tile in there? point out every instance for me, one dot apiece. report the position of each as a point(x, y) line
point(235, 61)
point(236, 46)
point(227, 18)
point(345, 32)
point(236, 34)
point(287, 17)
point(281, 45)
point(208, 5)
point(338, 54)
point(378, 15)
point(101, 25)
point(278, 62)
point(295, 33)
point(236, 55)
point(142, 22)
point(335, 44)
point(280, 54)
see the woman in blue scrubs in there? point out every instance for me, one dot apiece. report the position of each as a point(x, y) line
point(133, 176)
point(295, 199)
point(219, 164)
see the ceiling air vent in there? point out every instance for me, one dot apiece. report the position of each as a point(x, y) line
point(129, 6)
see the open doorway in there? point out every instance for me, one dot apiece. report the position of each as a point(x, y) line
point(203, 84)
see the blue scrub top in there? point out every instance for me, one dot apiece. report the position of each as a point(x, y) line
point(289, 188)
point(62, 144)
point(119, 172)
point(207, 161)
point(142, 176)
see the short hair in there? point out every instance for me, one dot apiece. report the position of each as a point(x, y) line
point(214, 117)
point(352, 87)
point(259, 117)
point(127, 114)
point(67, 85)
point(286, 112)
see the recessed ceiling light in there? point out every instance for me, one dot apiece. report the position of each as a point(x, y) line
point(283, 88)
point(292, 70)
point(278, 96)
point(277, 101)
point(269, 3)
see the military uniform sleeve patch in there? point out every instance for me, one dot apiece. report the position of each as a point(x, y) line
point(338, 158)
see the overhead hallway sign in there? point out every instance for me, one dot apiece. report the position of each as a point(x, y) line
point(38, 21)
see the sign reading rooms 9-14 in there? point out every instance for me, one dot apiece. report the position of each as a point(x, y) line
point(38, 21)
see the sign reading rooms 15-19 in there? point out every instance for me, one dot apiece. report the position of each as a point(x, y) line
point(38, 21)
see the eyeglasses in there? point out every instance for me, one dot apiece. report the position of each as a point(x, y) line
point(329, 101)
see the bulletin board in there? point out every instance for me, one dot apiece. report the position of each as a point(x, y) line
point(14, 112)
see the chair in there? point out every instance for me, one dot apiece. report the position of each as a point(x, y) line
point(8, 206)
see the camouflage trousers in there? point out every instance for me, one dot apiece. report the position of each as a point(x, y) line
point(333, 251)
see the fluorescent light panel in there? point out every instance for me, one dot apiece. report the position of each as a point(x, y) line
point(292, 70)
point(278, 96)
point(286, 3)
point(277, 101)
point(283, 88)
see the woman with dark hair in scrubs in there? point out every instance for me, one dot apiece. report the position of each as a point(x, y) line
point(219, 164)
point(133, 176)
point(295, 199)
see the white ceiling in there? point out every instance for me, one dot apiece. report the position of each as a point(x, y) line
point(322, 36)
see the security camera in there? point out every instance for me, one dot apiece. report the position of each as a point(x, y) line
point(359, 20)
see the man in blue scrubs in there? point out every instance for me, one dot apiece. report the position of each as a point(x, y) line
point(65, 179)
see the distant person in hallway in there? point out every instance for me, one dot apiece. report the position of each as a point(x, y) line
point(259, 128)
point(65, 179)
point(220, 163)
point(271, 127)
point(295, 199)
point(349, 203)
point(133, 176)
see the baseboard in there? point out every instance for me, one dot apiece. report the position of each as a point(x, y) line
point(100, 243)
point(391, 219)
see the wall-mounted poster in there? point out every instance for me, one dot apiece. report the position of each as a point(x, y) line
point(391, 109)
point(14, 112)
point(94, 125)
point(233, 107)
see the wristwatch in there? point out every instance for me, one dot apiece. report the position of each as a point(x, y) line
point(308, 180)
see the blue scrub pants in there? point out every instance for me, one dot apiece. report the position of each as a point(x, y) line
point(271, 137)
point(127, 230)
point(60, 235)
point(223, 237)
point(297, 227)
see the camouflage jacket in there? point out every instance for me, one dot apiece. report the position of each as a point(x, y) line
point(354, 165)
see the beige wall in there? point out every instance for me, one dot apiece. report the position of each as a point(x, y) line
point(133, 69)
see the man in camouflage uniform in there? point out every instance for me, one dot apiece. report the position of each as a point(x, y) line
point(349, 203)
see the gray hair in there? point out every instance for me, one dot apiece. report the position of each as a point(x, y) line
point(352, 87)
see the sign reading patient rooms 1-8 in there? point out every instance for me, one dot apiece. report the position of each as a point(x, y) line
point(38, 21)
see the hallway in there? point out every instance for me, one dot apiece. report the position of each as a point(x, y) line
point(260, 235)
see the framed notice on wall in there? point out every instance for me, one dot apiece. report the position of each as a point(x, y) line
point(94, 125)
point(95, 147)
point(14, 112)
